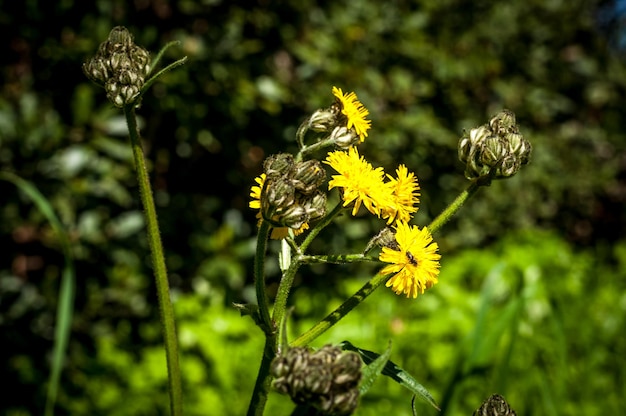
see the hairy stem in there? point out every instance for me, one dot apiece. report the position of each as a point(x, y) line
point(451, 209)
point(336, 315)
point(158, 263)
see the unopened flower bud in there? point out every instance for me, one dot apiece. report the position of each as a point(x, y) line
point(344, 138)
point(120, 66)
point(293, 217)
point(315, 206)
point(503, 122)
point(496, 149)
point(277, 197)
point(308, 176)
point(279, 164)
point(326, 379)
point(322, 120)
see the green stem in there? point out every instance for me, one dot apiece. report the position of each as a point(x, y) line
point(280, 303)
point(263, 380)
point(158, 261)
point(313, 148)
point(336, 258)
point(259, 278)
point(335, 316)
point(447, 213)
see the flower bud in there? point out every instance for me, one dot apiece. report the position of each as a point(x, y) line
point(322, 120)
point(326, 379)
point(278, 196)
point(315, 205)
point(279, 164)
point(496, 148)
point(293, 217)
point(120, 67)
point(308, 176)
point(344, 138)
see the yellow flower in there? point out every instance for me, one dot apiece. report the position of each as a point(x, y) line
point(255, 203)
point(361, 183)
point(255, 193)
point(354, 112)
point(414, 260)
point(406, 194)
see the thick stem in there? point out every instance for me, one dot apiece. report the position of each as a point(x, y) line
point(263, 380)
point(158, 262)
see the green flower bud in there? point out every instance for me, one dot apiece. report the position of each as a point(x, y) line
point(120, 67)
point(293, 217)
point(496, 149)
point(277, 197)
point(326, 379)
point(308, 176)
point(344, 138)
point(279, 164)
point(315, 205)
point(322, 120)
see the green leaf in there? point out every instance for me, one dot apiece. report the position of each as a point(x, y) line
point(373, 370)
point(396, 373)
point(66, 291)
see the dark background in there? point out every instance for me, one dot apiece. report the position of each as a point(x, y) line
point(426, 71)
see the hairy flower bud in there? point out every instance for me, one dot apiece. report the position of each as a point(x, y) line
point(290, 196)
point(326, 379)
point(496, 148)
point(315, 205)
point(120, 67)
point(344, 138)
point(308, 176)
point(278, 198)
point(322, 120)
point(279, 164)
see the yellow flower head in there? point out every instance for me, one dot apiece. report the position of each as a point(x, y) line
point(414, 261)
point(361, 183)
point(406, 194)
point(354, 112)
point(255, 203)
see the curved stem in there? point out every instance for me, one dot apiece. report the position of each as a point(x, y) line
point(158, 263)
point(451, 209)
point(315, 147)
point(335, 316)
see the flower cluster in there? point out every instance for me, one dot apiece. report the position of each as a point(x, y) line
point(496, 149)
point(119, 66)
point(326, 379)
point(362, 184)
point(287, 194)
point(285, 205)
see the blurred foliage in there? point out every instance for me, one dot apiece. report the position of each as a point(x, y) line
point(426, 71)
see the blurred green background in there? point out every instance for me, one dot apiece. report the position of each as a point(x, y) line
point(531, 302)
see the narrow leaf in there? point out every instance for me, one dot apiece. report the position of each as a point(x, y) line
point(373, 370)
point(66, 291)
point(396, 373)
